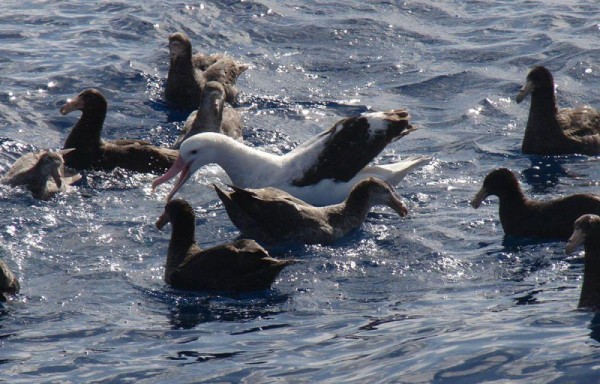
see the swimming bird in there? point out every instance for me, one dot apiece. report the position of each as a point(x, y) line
point(321, 171)
point(43, 173)
point(241, 266)
point(271, 215)
point(91, 152)
point(553, 131)
point(8, 282)
point(587, 231)
point(522, 216)
point(186, 79)
point(213, 115)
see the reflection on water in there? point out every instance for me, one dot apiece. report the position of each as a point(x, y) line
point(528, 298)
point(188, 310)
point(544, 173)
point(201, 357)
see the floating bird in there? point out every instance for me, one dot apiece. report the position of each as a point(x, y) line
point(91, 152)
point(43, 173)
point(271, 215)
point(8, 282)
point(321, 171)
point(213, 115)
point(522, 216)
point(241, 266)
point(186, 78)
point(203, 61)
point(551, 131)
point(587, 231)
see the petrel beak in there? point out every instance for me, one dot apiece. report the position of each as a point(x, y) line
point(162, 221)
point(57, 176)
point(65, 151)
point(576, 239)
point(397, 205)
point(479, 197)
point(71, 105)
point(175, 48)
point(215, 101)
point(525, 90)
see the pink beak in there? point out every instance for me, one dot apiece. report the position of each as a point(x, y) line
point(178, 166)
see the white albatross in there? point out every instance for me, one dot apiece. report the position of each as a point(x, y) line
point(322, 171)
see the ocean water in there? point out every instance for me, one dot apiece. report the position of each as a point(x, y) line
point(441, 296)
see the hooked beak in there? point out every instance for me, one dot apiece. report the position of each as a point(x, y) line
point(57, 176)
point(576, 239)
point(175, 49)
point(65, 151)
point(71, 105)
point(215, 103)
point(178, 166)
point(479, 197)
point(396, 204)
point(525, 90)
point(162, 221)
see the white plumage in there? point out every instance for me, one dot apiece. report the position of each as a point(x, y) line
point(321, 171)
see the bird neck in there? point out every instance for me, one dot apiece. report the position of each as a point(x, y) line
point(350, 213)
point(86, 132)
point(206, 119)
point(180, 71)
point(181, 64)
point(590, 289)
point(246, 167)
point(512, 201)
point(542, 115)
point(511, 195)
point(182, 239)
point(39, 185)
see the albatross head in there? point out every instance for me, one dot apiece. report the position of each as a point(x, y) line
point(194, 153)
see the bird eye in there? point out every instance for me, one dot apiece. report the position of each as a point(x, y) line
point(194, 152)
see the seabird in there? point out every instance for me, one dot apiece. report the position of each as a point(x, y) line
point(271, 215)
point(522, 216)
point(241, 266)
point(553, 131)
point(322, 171)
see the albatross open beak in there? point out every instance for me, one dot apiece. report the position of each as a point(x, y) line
point(479, 197)
point(525, 90)
point(576, 239)
point(178, 166)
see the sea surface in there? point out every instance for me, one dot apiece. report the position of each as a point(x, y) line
point(440, 296)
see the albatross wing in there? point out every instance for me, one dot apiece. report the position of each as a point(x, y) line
point(342, 151)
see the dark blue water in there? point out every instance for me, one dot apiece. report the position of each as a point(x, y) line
point(440, 296)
